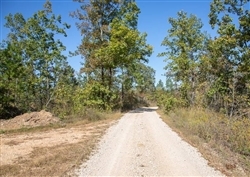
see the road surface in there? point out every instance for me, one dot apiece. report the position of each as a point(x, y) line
point(141, 144)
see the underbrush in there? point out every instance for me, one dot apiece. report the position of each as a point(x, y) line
point(215, 130)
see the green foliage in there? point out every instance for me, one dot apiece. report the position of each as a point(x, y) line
point(93, 93)
point(210, 72)
point(113, 51)
point(37, 76)
point(184, 46)
point(10, 69)
point(31, 61)
point(159, 85)
point(169, 84)
point(229, 56)
point(144, 78)
point(168, 101)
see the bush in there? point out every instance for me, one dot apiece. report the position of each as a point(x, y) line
point(168, 101)
point(233, 133)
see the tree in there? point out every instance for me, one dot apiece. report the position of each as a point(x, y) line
point(94, 23)
point(144, 79)
point(12, 73)
point(160, 85)
point(169, 84)
point(32, 45)
point(127, 47)
point(184, 47)
point(112, 47)
point(232, 47)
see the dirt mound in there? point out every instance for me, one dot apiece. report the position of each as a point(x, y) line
point(32, 119)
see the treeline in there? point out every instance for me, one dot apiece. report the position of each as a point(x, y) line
point(35, 74)
point(209, 72)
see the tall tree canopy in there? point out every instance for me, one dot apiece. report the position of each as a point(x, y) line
point(112, 48)
point(184, 47)
point(231, 52)
point(31, 60)
point(212, 72)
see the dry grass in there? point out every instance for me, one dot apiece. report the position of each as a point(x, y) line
point(62, 159)
point(51, 161)
point(68, 121)
point(224, 142)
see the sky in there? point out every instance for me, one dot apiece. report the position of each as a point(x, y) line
point(153, 20)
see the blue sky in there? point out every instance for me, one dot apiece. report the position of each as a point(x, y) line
point(153, 20)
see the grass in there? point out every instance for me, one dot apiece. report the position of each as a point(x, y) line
point(50, 161)
point(224, 142)
point(59, 160)
point(68, 121)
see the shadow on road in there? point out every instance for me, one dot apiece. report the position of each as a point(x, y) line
point(144, 109)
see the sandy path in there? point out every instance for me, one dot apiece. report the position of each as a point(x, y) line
point(141, 144)
point(16, 146)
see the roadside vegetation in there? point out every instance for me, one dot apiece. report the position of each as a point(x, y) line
point(223, 142)
point(35, 75)
point(206, 96)
point(206, 93)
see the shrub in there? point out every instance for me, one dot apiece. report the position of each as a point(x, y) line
point(233, 133)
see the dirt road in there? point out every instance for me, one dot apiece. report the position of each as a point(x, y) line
point(141, 144)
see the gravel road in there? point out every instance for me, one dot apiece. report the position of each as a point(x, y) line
point(141, 144)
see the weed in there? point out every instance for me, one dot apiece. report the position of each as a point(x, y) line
point(229, 137)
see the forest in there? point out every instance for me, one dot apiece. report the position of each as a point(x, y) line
point(36, 75)
point(205, 98)
point(201, 71)
point(205, 71)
